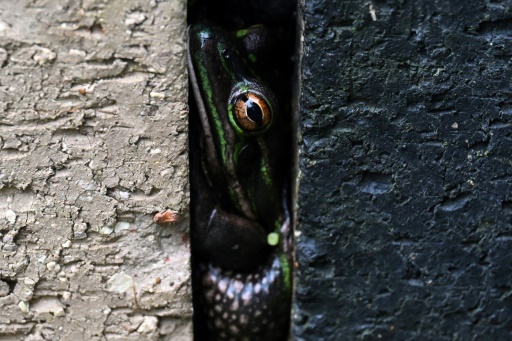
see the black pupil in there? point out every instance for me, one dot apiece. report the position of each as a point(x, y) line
point(254, 112)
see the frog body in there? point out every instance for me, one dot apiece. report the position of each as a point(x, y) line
point(241, 229)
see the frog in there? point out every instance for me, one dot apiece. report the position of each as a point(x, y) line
point(241, 234)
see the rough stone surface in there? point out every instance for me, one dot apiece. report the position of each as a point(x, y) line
point(93, 143)
point(406, 162)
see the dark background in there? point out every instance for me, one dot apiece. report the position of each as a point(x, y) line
point(405, 201)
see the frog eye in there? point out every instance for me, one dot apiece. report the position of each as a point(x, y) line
point(252, 112)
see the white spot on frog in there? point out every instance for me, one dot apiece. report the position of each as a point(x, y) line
point(223, 286)
point(238, 286)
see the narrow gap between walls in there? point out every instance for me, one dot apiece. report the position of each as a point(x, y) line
point(243, 62)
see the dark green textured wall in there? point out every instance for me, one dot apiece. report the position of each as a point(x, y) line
point(405, 201)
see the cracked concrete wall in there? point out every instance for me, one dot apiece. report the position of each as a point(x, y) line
point(93, 143)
